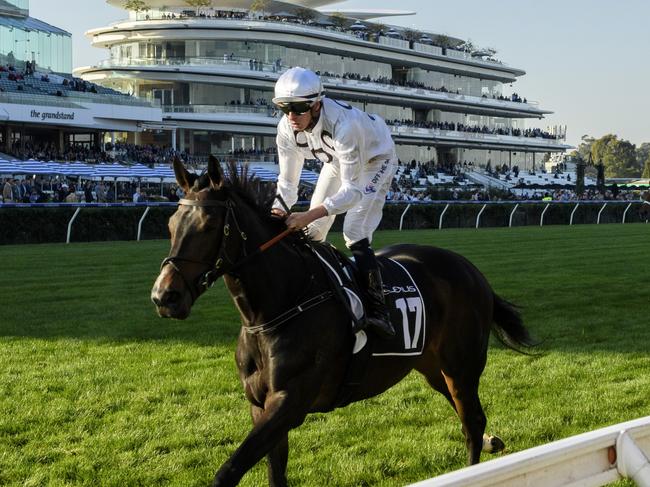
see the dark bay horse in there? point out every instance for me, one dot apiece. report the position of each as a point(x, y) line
point(297, 368)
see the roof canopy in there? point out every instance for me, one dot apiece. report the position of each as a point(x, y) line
point(224, 4)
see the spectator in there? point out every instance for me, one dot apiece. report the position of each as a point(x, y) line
point(7, 191)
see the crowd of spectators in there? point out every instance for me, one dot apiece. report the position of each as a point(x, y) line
point(459, 127)
point(45, 189)
point(49, 151)
point(118, 152)
point(28, 74)
point(384, 80)
point(416, 180)
point(258, 102)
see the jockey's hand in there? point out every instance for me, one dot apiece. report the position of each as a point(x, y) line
point(298, 221)
point(278, 213)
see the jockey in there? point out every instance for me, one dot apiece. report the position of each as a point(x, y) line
point(359, 162)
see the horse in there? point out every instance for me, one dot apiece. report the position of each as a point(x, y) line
point(644, 210)
point(293, 357)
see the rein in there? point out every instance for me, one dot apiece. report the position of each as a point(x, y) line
point(217, 269)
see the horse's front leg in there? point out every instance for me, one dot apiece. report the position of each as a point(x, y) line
point(277, 457)
point(283, 411)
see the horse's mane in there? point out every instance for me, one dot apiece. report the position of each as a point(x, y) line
point(237, 179)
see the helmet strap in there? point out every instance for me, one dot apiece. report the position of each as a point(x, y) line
point(314, 116)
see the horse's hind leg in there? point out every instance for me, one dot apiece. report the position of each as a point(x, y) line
point(277, 458)
point(464, 405)
point(464, 393)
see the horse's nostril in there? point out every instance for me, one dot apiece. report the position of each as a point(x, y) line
point(166, 298)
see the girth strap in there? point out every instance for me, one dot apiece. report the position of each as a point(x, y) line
point(275, 323)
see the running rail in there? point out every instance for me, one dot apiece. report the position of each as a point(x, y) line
point(588, 460)
point(401, 220)
point(67, 240)
point(142, 221)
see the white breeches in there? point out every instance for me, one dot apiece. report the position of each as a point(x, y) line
point(363, 219)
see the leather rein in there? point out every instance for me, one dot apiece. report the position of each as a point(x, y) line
point(224, 263)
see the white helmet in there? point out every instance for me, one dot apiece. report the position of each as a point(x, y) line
point(298, 84)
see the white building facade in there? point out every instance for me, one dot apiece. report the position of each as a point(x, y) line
point(213, 70)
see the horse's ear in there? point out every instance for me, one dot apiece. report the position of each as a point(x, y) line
point(214, 172)
point(182, 174)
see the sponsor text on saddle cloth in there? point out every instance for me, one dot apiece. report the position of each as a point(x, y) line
point(404, 301)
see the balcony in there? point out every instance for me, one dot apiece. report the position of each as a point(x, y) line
point(293, 25)
point(247, 65)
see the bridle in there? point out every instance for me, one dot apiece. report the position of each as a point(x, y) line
point(224, 263)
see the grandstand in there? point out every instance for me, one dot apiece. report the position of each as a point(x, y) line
point(42, 103)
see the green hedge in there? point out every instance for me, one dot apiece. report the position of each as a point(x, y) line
point(44, 224)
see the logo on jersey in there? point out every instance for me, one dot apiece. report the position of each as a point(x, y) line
point(400, 289)
point(370, 188)
point(379, 174)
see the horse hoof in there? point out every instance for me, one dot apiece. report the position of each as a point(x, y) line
point(492, 444)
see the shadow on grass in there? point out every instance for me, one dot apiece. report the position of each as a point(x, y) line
point(100, 315)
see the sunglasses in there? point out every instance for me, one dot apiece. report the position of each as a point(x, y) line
point(298, 107)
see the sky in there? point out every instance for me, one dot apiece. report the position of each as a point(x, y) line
point(588, 61)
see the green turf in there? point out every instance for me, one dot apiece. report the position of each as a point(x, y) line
point(96, 390)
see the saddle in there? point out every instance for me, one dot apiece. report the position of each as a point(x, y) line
point(404, 302)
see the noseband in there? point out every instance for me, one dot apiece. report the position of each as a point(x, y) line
point(216, 269)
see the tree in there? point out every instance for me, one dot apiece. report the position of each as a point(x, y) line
point(197, 4)
point(646, 169)
point(339, 20)
point(467, 46)
point(580, 175)
point(442, 41)
point(642, 153)
point(135, 5)
point(584, 149)
point(305, 14)
point(260, 6)
point(618, 157)
point(377, 29)
point(411, 35)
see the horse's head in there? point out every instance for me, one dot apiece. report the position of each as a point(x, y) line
point(200, 244)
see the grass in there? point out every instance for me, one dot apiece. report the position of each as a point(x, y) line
point(96, 390)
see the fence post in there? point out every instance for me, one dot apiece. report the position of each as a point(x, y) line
point(541, 220)
point(478, 217)
point(573, 213)
point(141, 220)
point(442, 215)
point(401, 220)
point(512, 213)
point(625, 212)
point(599, 213)
point(67, 240)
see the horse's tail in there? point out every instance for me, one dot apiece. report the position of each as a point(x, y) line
point(509, 328)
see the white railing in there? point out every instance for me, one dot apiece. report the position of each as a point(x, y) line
point(245, 109)
point(426, 48)
point(389, 41)
point(310, 27)
point(588, 460)
point(472, 136)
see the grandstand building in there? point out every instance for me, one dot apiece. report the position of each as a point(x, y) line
point(41, 103)
point(213, 70)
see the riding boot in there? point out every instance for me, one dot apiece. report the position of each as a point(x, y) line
point(377, 315)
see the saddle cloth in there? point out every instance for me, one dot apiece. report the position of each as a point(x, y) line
point(403, 299)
